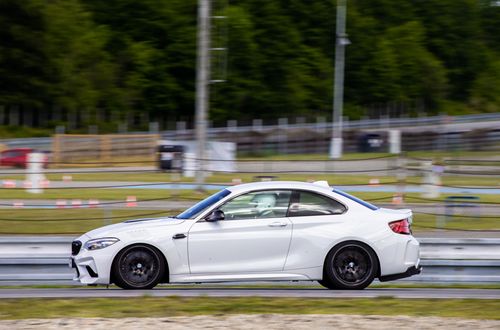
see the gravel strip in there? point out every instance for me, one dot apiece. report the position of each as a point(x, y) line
point(259, 321)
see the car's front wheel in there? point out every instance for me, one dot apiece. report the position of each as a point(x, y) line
point(138, 267)
point(350, 266)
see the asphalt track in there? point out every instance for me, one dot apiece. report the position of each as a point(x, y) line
point(406, 293)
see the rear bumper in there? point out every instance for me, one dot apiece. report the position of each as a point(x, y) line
point(409, 272)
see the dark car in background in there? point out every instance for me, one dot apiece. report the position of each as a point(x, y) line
point(371, 142)
point(18, 157)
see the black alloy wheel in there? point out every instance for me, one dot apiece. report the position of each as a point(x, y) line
point(138, 267)
point(350, 266)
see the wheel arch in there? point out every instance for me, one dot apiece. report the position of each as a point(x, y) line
point(166, 276)
point(353, 241)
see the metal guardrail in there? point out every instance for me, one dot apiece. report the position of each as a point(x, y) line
point(44, 260)
point(356, 124)
point(460, 260)
point(45, 143)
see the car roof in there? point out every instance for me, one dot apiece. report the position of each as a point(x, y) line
point(279, 185)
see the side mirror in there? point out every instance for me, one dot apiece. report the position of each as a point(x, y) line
point(216, 215)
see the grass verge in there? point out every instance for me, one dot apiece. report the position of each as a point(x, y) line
point(176, 306)
point(122, 193)
point(79, 221)
point(75, 221)
point(67, 221)
point(227, 178)
point(104, 194)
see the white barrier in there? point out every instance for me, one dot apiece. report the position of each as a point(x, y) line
point(45, 260)
point(34, 175)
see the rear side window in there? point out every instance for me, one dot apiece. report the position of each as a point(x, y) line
point(306, 203)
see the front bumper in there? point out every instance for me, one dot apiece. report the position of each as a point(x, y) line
point(94, 267)
point(86, 271)
point(413, 270)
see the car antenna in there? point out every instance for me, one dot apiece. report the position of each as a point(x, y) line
point(322, 183)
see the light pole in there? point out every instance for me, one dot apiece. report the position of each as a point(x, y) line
point(202, 90)
point(338, 89)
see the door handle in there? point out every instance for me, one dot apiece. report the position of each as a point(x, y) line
point(277, 224)
point(178, 236)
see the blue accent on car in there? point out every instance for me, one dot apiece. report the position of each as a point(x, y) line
point(355, 199)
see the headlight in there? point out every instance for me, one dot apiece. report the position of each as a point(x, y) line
point(100, 243)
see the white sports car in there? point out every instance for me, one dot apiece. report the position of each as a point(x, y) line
point(266, 231)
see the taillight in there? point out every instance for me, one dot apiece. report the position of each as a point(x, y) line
point(400, 227)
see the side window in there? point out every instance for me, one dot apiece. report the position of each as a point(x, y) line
point(310, 204)
point(258, 205)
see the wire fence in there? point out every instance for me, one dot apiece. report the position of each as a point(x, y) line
point(443, 159)
point(389, 167)
point(194, 185)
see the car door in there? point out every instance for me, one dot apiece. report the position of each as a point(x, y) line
point(254, 236)
point(317, 221)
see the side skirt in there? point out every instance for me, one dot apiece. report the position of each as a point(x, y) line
point(203, 278)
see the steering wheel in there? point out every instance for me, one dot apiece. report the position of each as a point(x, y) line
point(265, 213)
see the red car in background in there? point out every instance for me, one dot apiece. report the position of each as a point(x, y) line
point(18, 157)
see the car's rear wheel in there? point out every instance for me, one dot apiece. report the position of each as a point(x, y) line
point(350, 266)
point(138, 267)
point(327, 284)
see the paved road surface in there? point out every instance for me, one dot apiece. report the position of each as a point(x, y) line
point(250, 292)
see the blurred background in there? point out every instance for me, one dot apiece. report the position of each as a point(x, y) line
point(119, 65)
point(106, 95)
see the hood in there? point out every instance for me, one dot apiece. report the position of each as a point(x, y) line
point(132, 225)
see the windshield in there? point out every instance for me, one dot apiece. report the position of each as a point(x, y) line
point(355, 199)
point(199, 207)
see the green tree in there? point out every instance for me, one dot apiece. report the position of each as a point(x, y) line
point(486, 89)
point(154, 46)
point(236, 97)
point(421, 75)
point(454, 35)
point(22, 55)
point(81, 72)
point(116, 60)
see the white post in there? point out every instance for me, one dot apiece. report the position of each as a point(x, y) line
point(202, 88)
point(257, 124)
point(34, 173)
point(283, 135)
point(232, 125)
point(189, 165)
point(394, 141)
point(338, 91)
point(336, 148)
point(431, 181)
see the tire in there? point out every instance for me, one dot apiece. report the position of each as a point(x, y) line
point(138, 267)
point(327, 284)
point(350, 266)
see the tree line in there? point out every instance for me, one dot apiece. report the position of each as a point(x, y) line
point(94, 62)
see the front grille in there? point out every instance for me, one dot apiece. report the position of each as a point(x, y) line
point(75, 247)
